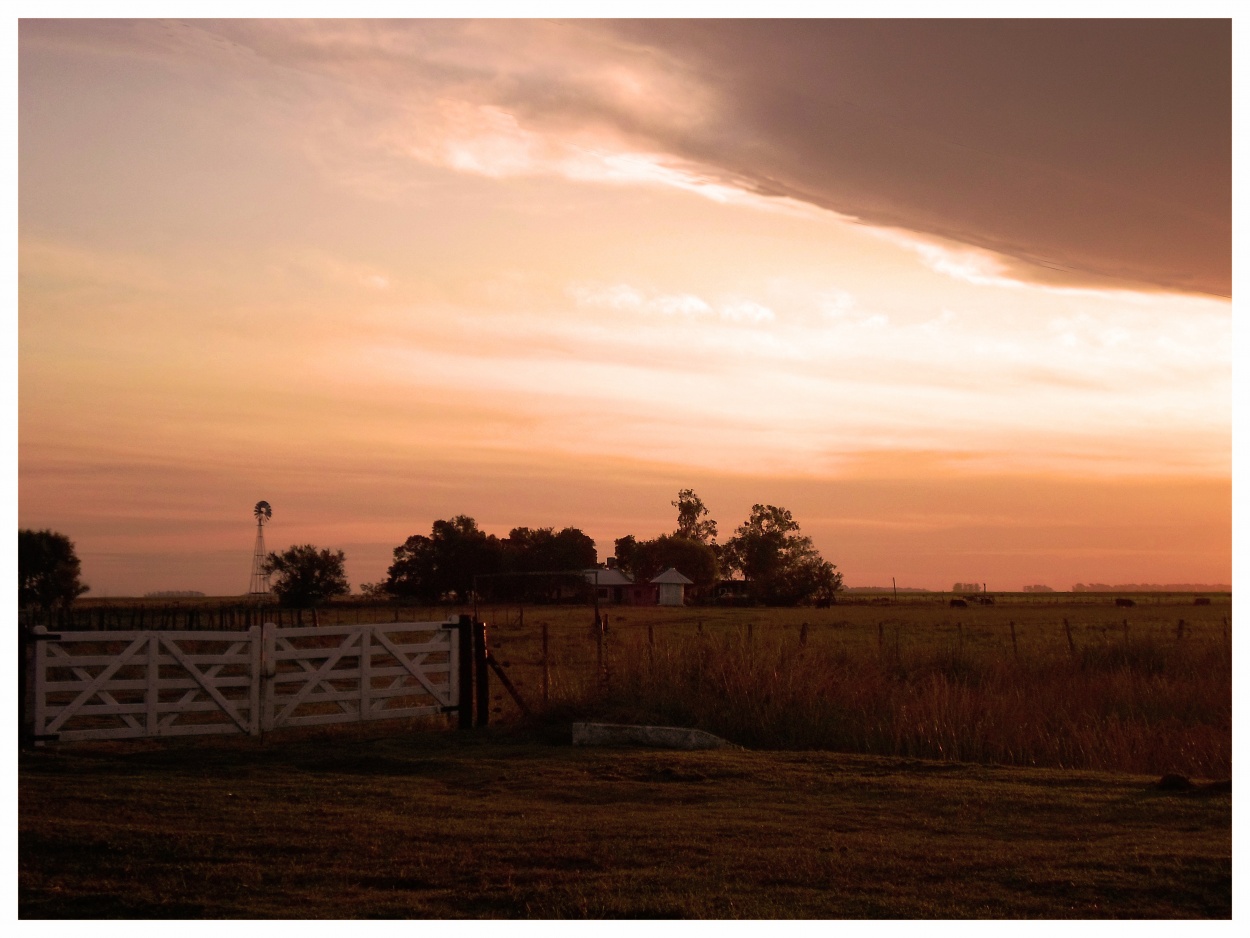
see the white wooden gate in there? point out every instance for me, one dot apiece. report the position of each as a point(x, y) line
point(115, 685)
point(338, 674)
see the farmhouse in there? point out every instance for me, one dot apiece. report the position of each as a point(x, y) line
point(616, 586)
point(612, 584)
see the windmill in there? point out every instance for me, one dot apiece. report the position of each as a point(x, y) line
point(260, 579)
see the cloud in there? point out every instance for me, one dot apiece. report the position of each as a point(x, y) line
point(675, 305)
point(1081, 153)
point(747, 311)
point(1087, 152)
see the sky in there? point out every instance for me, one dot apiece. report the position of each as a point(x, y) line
point(956, 293)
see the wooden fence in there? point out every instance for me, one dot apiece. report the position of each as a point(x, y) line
point(115, 685)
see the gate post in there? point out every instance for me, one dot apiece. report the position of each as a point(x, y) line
point(25, 650)
point(266, 671)
point(256, 636)
point(482, 678)
point(465, 655)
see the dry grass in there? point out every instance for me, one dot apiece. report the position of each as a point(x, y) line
point(1118, 694)
point(1061, 680)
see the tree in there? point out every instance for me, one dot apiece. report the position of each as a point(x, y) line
point(690, 523)
point(781, 567)
point(48, 570)
point(434, 567)
point(307, 577)
point(644, 559)
point(533, 549)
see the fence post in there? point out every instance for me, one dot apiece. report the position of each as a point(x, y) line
point(1067, 630)
point(465, 651)
point(546, 670)
point(1015, 649)
point(482, 676)
point(598, 647)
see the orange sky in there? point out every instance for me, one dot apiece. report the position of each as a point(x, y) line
point(379, 274)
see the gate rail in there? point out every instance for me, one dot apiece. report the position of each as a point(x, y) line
point(118, 685)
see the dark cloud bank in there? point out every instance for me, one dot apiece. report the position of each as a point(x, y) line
point(1093, 152)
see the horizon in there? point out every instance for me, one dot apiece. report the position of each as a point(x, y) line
point(966, 314)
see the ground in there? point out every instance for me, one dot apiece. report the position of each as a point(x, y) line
point(401, 821)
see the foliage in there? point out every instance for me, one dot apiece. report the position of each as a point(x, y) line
point(443, 565)
point(781, 567)
point(690, 523)
point(307, 576)
point(428, 568)
point(534, 549)
point(643, 560)
point(691, 549)
point(48, 569)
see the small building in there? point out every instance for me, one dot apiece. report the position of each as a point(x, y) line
point(671, 587)
point(613, 585)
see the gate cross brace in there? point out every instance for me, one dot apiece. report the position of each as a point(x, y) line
point(90, 690)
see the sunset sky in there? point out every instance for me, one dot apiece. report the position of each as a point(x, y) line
point(957, 294)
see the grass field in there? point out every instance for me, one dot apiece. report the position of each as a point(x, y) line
point(905, 760)
point(1036, 684)
point(496, 824)
point(1059, 680)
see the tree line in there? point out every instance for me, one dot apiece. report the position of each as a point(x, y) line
point(767, 560)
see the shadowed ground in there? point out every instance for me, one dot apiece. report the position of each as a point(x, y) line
point(497, 824)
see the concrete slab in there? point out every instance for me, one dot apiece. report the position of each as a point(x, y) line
point(660, 737)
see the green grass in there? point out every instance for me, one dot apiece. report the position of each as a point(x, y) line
point(497, 824)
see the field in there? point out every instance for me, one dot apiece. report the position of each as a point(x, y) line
point(1083, 685)
point(903, 759)
point(492, 824)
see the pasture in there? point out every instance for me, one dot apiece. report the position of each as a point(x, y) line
point(1078, 685)
point(491, 823)
point(903, 759)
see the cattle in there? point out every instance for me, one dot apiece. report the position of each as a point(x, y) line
point(1121, 601)
point(959, 603)
point(1202, 601)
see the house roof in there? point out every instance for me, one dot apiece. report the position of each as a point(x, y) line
point(672, 576)
point(609, 577)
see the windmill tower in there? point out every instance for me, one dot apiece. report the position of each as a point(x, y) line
point(260, 579)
